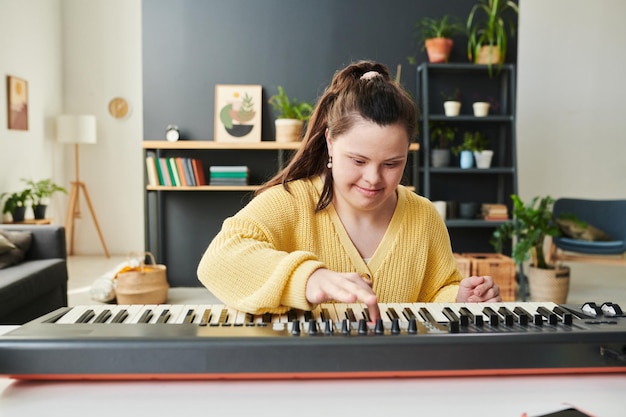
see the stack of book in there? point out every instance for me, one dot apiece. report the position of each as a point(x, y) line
point(496, 212)
point(228, 175)
point(175, 172)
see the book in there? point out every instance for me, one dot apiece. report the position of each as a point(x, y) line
point(171, 165)
point(198, 170)
point(165, 172)
point(191, 177)
point(181, 172)
point(151, 170)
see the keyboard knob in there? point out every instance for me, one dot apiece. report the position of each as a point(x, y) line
point(395, 326)
point(295, 328)
point(379, 328)
point(312, 327)
point(345, 327)
point(412, 326)
point(329, 329)
point(362, 327)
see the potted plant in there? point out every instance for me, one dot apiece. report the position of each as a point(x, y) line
point(531, 224)
point(15, 203)
point(435, 35)
point(41, 191)
point(291, 115)
point(441, 136)
point(488, 31)
point(473, 145)
point(452, 103)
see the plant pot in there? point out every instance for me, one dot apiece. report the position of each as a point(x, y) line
point(468, 210)
point(288, 130)
point(18, 214)
point(438, 49)
point(488, 55)
point(548, 284)
point(483, 158)
point(452, 108)
point(481, 108)
point(440, 157)
point(39, 211)
point(466, 159)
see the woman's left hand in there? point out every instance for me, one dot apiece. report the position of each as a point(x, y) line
point(478, 289)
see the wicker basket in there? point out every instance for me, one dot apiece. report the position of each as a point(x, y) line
point(500, 267)
point(548, 284)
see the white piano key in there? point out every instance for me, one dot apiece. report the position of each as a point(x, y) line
point(71, 316)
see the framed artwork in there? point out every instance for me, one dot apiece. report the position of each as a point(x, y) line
point(238, 113)
point(17, 103)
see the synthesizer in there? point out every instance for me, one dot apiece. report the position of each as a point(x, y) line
point(333, 341)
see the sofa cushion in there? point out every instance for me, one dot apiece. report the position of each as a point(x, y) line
point(5, 245)
point(581, 230)
point(22, 283)
point(22, 241)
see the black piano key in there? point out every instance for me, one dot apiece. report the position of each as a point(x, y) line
point(266, 318)
point(566, 316)
point(324, 315)
point(206, 316)
point(453, 320)
point(308, 316)
point(103, 316)
point(366, 314)
point(425, 314)
point(146, 316)
point(509, 318)
point(552, 318)
point(292, 315)
point(223, 318)
point(86, 316)
point(120, 317)
point(350, 315)
point(164, 316)
point(523, 316)
point(408, 313)
point(494, 318)
point(189, 316)
point(248, 319)
point(392, 314)
point(295, 328)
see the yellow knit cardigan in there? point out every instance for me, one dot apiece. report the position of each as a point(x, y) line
point(263, 256)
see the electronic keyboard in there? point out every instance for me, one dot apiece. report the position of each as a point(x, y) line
point(333, 341)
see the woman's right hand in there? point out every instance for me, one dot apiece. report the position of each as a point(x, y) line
point(345, 287)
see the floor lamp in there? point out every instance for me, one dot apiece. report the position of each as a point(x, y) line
point(78, 129)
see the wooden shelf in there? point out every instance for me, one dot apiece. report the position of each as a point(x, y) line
point(212, 145)
point(32, 221)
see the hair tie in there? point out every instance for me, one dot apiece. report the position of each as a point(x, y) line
point(369, 75)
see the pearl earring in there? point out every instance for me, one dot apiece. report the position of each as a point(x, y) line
point(329, 165)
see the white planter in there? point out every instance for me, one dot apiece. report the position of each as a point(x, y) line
point(481, 108)
point(452, 108)
point(288, 130)
point(483, 158)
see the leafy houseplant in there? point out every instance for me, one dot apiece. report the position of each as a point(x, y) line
point(473, 143)
point(488, 32)
point(41, 191)
point(435, 35)
point(531, 224)
point(291, 116)
point(15, 203)
point(441, 136)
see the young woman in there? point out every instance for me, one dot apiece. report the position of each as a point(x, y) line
point(335, 224)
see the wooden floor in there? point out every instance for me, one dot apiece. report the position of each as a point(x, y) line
point(589, 282)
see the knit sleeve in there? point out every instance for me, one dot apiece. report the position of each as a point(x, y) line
point(248, 264)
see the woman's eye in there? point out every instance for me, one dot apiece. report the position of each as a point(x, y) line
point(358, 162)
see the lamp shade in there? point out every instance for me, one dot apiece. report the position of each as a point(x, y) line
point(76, 129)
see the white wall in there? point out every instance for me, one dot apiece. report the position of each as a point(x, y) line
point(570, 114)
point(76, 56)
point(571, 110)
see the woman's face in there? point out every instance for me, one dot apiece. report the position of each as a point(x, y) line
point(368, 164)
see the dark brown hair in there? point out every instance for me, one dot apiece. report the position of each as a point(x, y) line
point(348, 98)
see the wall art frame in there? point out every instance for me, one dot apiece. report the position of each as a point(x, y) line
point(238, 113)
point(17, 103)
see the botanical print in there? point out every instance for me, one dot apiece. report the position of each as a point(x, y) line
point(238, 113)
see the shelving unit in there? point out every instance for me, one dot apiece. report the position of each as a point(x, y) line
point(180, 222)
point(452, 183)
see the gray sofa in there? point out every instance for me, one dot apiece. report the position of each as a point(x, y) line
point(38, 283)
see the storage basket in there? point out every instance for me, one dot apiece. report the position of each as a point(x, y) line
point(142, 284)
point(499, 267)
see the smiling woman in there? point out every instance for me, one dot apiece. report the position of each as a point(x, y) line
point(338, 213)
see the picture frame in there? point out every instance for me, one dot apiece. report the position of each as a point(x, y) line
point(17, 103)
point(238, 113)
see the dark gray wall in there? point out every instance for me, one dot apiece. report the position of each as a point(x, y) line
point(189, 46)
